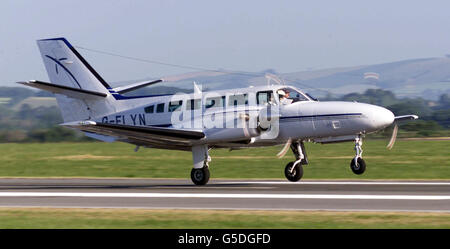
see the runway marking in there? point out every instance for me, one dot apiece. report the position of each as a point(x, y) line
point(232, 196)
point(342, 183)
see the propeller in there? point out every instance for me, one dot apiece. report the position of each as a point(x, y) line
point(285, 148)
point(393, 137)
point(264, 122)
point(244, 118)
point(398, 119)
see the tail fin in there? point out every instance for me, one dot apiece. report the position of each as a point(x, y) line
point(67, 68)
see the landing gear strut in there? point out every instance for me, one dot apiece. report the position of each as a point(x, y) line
point(357, 164)
point(294, 170)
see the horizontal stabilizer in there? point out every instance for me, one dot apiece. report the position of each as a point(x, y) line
point(64, 90)
point(405, 118)
point(135, 86)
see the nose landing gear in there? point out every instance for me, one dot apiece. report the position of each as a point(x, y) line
point(357, 164)
point(294, 170)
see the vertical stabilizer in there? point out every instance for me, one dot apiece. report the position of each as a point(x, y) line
point(66, 67)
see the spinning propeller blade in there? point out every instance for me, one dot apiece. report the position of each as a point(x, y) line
point(397, 120)
point(285, 149)
point(393, 137)
point(245, 118)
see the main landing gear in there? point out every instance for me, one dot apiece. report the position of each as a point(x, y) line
point(357, 164)
point(294, 170)
point(200, 172)
point(200, 176)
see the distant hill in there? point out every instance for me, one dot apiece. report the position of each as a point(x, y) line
point(13, 95)
point(35, 102)
point(427, 78)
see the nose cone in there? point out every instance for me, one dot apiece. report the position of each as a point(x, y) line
point(381, 117)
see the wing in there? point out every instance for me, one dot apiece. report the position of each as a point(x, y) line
point(156, 137)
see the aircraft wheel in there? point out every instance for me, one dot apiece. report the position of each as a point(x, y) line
point(296, 173)
point(359, 167)
point(200, 176)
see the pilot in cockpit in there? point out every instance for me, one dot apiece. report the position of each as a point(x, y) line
point(283, 96)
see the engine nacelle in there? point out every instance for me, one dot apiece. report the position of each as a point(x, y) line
point(245, 125)
point(230, 134)
point(267, 118)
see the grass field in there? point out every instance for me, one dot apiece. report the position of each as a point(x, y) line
point(414, 159)
point(407, 160)
point(43, 218)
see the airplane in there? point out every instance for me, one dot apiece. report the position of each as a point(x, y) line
point(242, 118)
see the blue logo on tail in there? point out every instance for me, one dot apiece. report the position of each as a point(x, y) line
point(58, 63)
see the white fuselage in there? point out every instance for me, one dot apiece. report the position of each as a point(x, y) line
point(219, 116)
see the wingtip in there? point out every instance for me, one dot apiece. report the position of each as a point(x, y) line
point(26, 82)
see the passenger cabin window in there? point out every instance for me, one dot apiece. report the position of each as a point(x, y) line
point(160, 108)
point(175, 106)
point(149, 109)
point(238, 99)
point(193, 104)
point(215, 102)
point(264, 98)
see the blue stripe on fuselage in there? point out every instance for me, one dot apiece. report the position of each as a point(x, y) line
point(289, 117)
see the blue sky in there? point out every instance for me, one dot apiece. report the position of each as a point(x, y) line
point(287, 36)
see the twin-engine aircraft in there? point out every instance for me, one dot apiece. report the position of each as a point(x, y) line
point(198, 122)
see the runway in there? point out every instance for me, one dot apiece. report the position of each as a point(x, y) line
point(427, 196)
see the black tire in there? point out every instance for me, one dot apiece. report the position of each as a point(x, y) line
point(296, 175)
point(358, 168)
point(200, 176)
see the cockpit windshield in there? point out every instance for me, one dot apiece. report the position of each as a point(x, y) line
point(311, 97)
point(289, 95)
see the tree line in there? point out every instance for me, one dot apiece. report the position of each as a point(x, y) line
point(40, 124)
point(434, 116)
